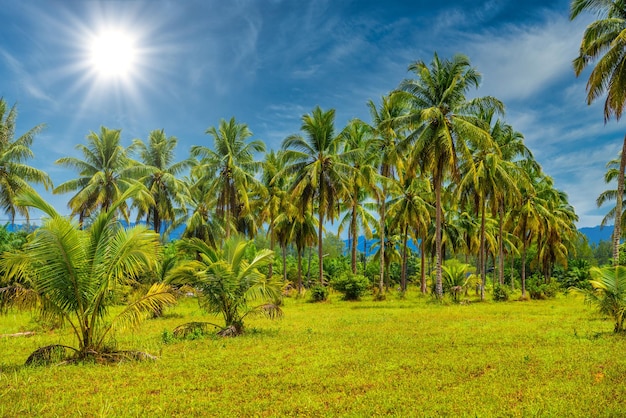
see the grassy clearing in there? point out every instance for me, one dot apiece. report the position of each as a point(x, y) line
point(397, 357)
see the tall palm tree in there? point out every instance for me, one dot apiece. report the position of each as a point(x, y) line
point(529, 216)
point(410, 212)
point(230, 169)
point(14, 152)
point(389, 145)
point(320, 169)
point(604, 42)
point(201, 222)
point(274, 194)
point(363, 184)
point(445, 125)
point(77, 273)
point(168, 192)
point(487, 180)
point(610, 176)
point(104, 174)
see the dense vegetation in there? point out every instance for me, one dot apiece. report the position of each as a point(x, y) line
point(444, 191)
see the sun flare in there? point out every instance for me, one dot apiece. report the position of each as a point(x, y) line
point(113, 54)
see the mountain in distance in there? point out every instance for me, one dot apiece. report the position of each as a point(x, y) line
point(597, 233)
point(594, 236)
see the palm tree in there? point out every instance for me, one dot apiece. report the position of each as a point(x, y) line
point(529, 216)
point(303, 234)
point(389, 145)
point(230, 169)
point(200, 223)
point(104, 175)
point(320, 169)
point(15, 174)
point(274, 196)
point(608, 293)
point(604, 42)
point(168, 192)
point(358, 137)
point(488, 180)
point(409, 211)
point(611, 175)
point(230, 283)
point(445, 125)
point(77, 273)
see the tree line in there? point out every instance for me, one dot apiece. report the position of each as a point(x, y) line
point(431, 166)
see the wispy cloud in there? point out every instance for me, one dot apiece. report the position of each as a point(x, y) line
point(27, 82)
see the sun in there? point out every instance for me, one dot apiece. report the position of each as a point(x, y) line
point(113, 54)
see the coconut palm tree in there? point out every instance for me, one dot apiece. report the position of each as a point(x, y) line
point(488, 181)
point(105, 173)
point(77, 273)
point(604, 42)
point(320, 169)
point(390, 146)
point(201, 222)
point(358, 137)
point(610, 176)
point(608, 293)
point(230, 169)
point(445, 125)
point(14, 152)
point(409, 210)
point(274, 194)
point(168, 192)
point(229, 281)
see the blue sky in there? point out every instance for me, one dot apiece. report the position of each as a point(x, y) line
point(267, 62)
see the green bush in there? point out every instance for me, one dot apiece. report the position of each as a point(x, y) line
point(353, 286)
point(537, 289)
point(500, 293)
point(319, 293)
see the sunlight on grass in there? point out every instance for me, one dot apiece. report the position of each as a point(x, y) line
point(398, 357)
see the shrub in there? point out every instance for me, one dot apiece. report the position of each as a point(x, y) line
point(319, 293)
point(537, 289)
point(353, 286)
point(500, 293)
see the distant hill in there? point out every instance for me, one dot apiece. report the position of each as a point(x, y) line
point(597, 233)
point(594, 236)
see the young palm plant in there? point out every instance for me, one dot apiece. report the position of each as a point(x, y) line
point(76, 275)
point(230, 284)
point(608, 293)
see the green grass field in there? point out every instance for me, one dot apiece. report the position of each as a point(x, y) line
point(408, 357)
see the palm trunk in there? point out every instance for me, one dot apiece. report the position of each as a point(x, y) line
point(300, 270)
point(284, 251)
point(157, 221)
point(272, 246)
point(320, 251)
point(404, 258)
point(481, 256)
point(364, 255)
point(617, 228)
point(524, 270)
point(353, 231)
point(423, 287)
point(438, 283)
point(512, 272)
point(308, 267)
point(382, 245)
point(501, 248)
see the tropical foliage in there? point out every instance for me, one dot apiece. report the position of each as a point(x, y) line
point(229, 281)
point(608, 293)
point(75, 275)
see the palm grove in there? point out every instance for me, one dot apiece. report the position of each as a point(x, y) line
point(431, 167)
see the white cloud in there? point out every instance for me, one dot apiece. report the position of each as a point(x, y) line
point(519, 61)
